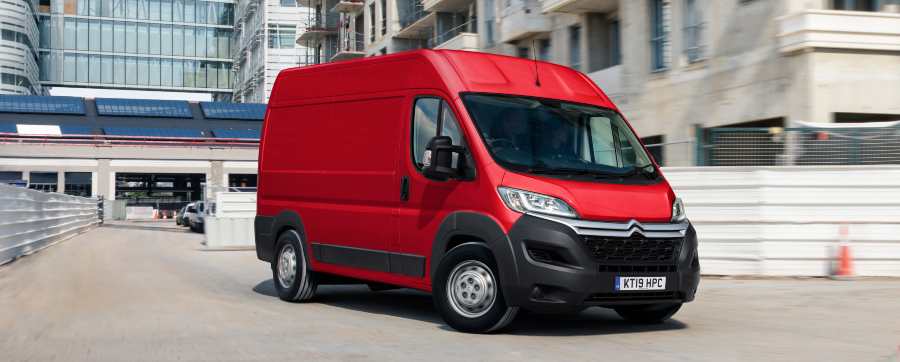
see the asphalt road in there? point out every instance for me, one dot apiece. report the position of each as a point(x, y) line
point(147, 292)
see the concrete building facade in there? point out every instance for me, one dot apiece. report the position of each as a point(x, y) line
point(264, 40)
point(678, 66)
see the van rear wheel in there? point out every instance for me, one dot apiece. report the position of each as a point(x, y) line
point(294, 281)
point(648, 314)
point(467, 291)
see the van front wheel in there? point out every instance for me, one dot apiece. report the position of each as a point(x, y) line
point(467, 291)
point(294, 281)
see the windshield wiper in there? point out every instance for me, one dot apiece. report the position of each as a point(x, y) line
point(569, 172)
point(647, 171)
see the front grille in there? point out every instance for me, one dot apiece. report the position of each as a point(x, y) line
point(625, 296)
point(636, 249)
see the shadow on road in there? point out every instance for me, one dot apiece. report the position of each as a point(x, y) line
point(412, 304)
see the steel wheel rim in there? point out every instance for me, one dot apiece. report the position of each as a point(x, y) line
point(287, 266)
point(471, 289)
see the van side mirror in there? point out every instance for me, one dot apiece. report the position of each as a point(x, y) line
point(438, 160)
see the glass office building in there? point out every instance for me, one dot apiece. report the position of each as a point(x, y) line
point(18, 48)
point(168, 45)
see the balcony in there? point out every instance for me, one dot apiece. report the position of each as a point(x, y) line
point(445, 5)
point(854, 30)
point(415, 22)
point(462, 41)
point(318, 29)
point(348, 6)
point(523, 21)
point(461, 37)
point(610, 81)
point(579, 6)
point(352, 47)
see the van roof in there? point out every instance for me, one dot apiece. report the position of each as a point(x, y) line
point(453, 71)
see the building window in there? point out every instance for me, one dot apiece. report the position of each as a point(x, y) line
point(654, 144)
point(289, 3)
point(383, 17)
point(489, 23)
point(857, 5)
point(659, 34)
point(522, 52)
point(372, 22)
point(544, 49)
point(282, 36)
point(43, 181)
point(575, 46)
point(78, 184)
point(615, 44)
point(693, 31)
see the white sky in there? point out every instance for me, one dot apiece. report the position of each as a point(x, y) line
point(130, 94)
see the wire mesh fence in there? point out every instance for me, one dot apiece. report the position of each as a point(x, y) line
point(800, 146)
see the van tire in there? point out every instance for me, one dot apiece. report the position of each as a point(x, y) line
point(291, 274)
point(490, 314)
point(648, 314)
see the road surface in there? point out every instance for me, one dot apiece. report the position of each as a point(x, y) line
point(147, 292)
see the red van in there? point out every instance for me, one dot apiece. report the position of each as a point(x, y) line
point(495, 183)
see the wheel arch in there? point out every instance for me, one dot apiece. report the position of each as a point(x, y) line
point(270, 228)
point(462, 227)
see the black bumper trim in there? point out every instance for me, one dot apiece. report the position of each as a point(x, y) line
point(580, 280)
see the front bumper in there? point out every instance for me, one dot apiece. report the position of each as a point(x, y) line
point(561, 273)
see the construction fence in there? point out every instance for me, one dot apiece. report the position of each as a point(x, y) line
point(31, 220)
point(859, 144)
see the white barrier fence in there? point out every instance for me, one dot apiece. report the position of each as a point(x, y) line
point(232, 224)
point(786, 221)
point(31, 220)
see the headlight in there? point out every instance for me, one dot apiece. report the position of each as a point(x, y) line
point(678, 214)
point(525, 201)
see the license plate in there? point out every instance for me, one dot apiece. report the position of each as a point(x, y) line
point(640, 283)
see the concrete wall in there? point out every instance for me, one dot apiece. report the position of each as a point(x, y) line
point(31, 220)
point(787, 220)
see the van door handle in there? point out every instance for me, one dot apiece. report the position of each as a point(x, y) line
point(404, 188)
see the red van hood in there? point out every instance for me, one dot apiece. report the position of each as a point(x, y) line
point(602, 201)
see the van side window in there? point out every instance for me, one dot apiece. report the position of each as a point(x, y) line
point(425, 121)
point(427, 112)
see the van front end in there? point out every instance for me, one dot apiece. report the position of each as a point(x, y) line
point(566, 265)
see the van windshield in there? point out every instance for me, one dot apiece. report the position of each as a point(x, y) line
point(558, 138)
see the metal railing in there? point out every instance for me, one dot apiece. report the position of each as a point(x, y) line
point(352, 41)
point(470, 26)
point(800, 146)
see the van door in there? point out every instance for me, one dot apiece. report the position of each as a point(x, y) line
point(426, 201)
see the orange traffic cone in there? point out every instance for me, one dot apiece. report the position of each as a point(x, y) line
point(844, 269)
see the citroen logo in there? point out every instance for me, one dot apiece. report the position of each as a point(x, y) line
point(635, 227)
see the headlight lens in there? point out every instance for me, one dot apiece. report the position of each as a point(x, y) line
point(678, 214)
point(526, 201)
